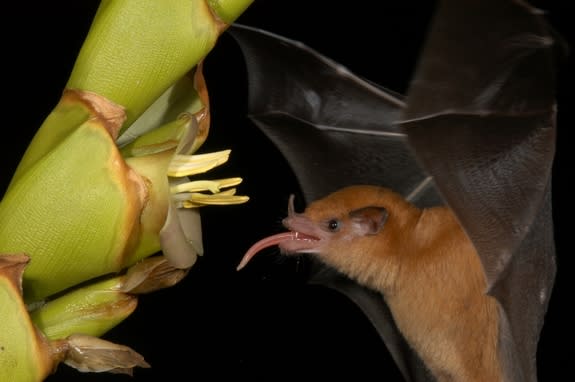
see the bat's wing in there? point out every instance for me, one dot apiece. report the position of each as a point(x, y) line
point(335, 130)
point(480, 124)
point(317, 113)
point(480, 116)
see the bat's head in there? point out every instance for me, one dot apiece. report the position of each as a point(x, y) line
point(344, 223)
point(337, 220)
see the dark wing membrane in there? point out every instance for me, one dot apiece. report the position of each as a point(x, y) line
point(334, 129)
point(480, 115)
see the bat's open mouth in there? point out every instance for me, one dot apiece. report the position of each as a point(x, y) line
point(292, 242)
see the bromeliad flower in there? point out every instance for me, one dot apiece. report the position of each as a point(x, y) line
point(113, 176)
point(168, 157)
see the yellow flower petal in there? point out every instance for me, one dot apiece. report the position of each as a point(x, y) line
point(227, 197)
point(213, 186)
point(186, 165)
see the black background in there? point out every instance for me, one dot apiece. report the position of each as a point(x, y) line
point(264, 323)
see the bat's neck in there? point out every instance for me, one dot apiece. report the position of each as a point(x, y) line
point(432, 247)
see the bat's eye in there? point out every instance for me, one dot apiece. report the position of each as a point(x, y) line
point(333, 225)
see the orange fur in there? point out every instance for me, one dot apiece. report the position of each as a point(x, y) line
point(428, 272)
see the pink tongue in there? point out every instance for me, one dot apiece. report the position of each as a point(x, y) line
point(265, 243)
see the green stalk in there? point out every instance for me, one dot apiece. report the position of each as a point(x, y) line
point(77, 209)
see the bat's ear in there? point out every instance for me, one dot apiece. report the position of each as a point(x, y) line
point(369, 220)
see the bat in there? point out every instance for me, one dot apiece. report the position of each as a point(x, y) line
point(420, 260)
point(475, 132)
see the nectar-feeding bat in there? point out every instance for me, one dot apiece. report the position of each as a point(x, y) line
point(422, 263)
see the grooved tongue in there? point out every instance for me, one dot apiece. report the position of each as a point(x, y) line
point(268, 242)
point(265, 243)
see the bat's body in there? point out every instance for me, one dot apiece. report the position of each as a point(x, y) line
point(420, 260)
